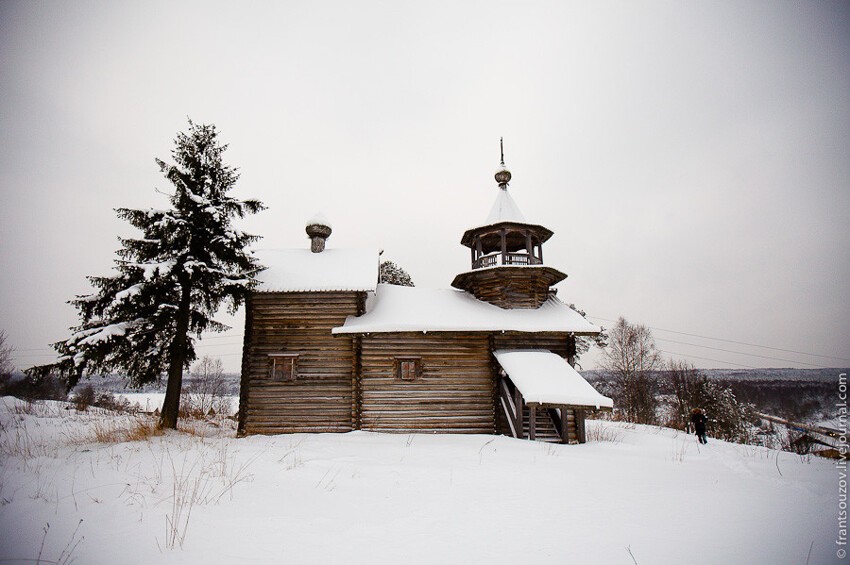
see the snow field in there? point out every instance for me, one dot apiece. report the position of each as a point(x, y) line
point(203, 496)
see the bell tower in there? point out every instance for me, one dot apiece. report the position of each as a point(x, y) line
point(507, 255)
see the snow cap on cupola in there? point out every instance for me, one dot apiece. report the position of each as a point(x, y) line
point(318, 229)
point(504, 208)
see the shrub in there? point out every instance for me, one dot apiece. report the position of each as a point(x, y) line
point(688, 388)
point(84, 397)
point(109, 401)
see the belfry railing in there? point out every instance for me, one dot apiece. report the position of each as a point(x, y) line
point(497, 259)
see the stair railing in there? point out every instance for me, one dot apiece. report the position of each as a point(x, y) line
point(512, 405)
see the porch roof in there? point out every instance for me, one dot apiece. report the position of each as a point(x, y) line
point(546, 378)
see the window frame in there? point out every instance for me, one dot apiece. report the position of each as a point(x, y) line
point(279, 362)
point(400, 372)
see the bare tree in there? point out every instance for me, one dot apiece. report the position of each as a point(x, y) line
point(6, 350)
point(686, 384)
point(632, 360)
point(206, 391)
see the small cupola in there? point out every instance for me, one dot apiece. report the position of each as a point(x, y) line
point(507, 254)
point(318, 229)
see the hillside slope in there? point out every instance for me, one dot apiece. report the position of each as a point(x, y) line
point(371, 498)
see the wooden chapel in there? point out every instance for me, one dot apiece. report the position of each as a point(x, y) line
point(329, 349)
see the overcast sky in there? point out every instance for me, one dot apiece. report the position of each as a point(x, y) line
point(692, 158)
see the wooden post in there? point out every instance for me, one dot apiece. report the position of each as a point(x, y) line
point(582, 437)
point(357, 385)
point(532, 420)
point(504, 232)
point(357, 374)
point(518, 405)
point(496, 380)
point(565, 432)
point(247, 352)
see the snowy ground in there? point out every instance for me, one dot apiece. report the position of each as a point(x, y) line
point(372, 498)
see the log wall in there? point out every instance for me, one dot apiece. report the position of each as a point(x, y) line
point(320, 399)
point(453, 391)
point(557, 343)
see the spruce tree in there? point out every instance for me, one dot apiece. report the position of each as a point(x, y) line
point(390, 273)
point(188, 262)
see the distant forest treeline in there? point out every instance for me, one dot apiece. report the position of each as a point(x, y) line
point(759, 375)
point(794, 394)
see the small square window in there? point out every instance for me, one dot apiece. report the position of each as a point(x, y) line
point(283, 366)
point(407, 368)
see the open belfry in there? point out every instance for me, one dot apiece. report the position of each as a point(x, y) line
point(329, 349)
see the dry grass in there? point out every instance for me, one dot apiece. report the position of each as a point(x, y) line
point(109, 429)
point(206, 479)
point(19, 443)
point(139, 428)
point(208, 427)
point(679, 450)
point(196, 465)
point(604, 433)
point(38, 408)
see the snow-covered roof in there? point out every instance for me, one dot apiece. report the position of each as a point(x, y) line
point(404, 309)
point(542, 376)
point(300, 270)
point(504, 210)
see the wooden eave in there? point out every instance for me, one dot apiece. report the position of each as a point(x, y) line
point(488, 331)
point(464, 281)
point(571, 406)
point(542, 233)
point(318, 291)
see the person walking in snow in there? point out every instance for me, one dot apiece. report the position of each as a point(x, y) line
point(698, 419)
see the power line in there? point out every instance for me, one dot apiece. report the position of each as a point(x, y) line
point(217, 336)
point(742, 353)
point(707, 359)
point(36, 355)
point(735, 342)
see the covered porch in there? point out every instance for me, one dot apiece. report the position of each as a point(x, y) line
point(542, 398)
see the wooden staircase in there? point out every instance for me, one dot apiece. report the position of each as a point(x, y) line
point(545, 430)
point(549, 427)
